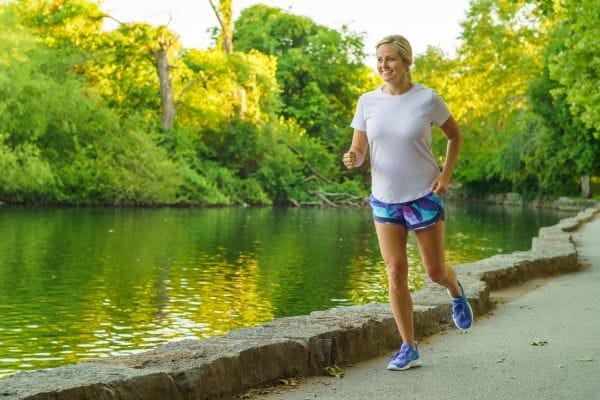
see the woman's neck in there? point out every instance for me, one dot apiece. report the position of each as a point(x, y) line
point(397, 88)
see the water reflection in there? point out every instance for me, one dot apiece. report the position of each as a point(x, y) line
point(87, 283)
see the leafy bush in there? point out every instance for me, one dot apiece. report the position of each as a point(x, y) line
point(25, 176)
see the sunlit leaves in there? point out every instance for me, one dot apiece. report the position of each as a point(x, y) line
point(72, 23)
point(216, 87)
point(509, 46)
point(267, 122)
point(319, 69)
point(566, 98)
point(575, 63)
point(500, 52)
point(59, 142)
point(484, 85)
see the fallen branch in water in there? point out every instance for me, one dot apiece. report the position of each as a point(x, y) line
point(328, 199)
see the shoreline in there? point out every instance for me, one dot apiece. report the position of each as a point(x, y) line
point(561, 203)
point(221, 367)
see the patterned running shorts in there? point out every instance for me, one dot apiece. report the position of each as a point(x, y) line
point(414, 215)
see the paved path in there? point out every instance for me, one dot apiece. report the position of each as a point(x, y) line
point(541, 342)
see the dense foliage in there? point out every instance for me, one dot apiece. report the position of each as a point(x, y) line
point(263, 117)
point(524, 88)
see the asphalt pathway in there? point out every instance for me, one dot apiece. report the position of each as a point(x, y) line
point(542, 341)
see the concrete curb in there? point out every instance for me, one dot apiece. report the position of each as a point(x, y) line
point(221, 367)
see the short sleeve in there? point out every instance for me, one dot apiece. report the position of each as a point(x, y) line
point(359, 122)
point(439, 110)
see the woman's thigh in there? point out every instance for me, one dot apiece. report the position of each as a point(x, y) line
point(431, 247)
point(392, 244)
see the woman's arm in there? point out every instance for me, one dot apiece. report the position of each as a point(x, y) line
point(454, 136)
point(356, 155)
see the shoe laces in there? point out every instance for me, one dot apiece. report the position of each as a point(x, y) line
point(458, 305)
point(403, 353)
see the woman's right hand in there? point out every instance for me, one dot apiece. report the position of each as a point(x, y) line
point(350, 159)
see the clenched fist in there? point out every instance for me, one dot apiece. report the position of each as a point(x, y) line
point(350, 159)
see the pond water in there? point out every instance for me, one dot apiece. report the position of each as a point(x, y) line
point(79, 283)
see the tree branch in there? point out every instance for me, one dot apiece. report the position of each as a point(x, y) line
point(216, 10)
point(308, 164)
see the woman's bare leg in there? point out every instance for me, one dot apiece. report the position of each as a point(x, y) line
point(431, 246)
point(392, 243)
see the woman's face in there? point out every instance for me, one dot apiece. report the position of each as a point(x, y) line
point(390, 66)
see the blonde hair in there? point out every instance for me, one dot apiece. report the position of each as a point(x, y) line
point(402, 46)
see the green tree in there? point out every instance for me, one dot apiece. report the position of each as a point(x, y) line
point(320, 70)
point(71, 25)
point(59, 142)
point(437, 70)
point(568, 150)
point(574, 61)
point(485, 87)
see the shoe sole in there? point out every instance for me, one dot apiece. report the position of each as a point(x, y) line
point(414, 363)
point(471, 311)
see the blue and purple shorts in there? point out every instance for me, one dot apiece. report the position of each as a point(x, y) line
point(414, 215)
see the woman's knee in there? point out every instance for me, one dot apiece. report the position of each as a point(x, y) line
point(397, 272)
point(437, 274)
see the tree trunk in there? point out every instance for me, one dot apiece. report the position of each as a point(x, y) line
point(167, 99)
point(227, 34)
point(240, 97)
point(224, 14)
point(586, 187)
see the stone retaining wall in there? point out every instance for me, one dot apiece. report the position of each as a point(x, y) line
point(515, 199)
point(221, 367)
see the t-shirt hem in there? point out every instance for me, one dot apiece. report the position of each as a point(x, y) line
point(401, 199)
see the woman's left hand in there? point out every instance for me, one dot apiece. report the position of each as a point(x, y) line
point(439, 186)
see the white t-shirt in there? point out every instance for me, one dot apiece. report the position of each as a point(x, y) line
point(398, 128)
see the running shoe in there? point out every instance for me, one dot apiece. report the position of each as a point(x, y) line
point(462, 313)
point(404, 359)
